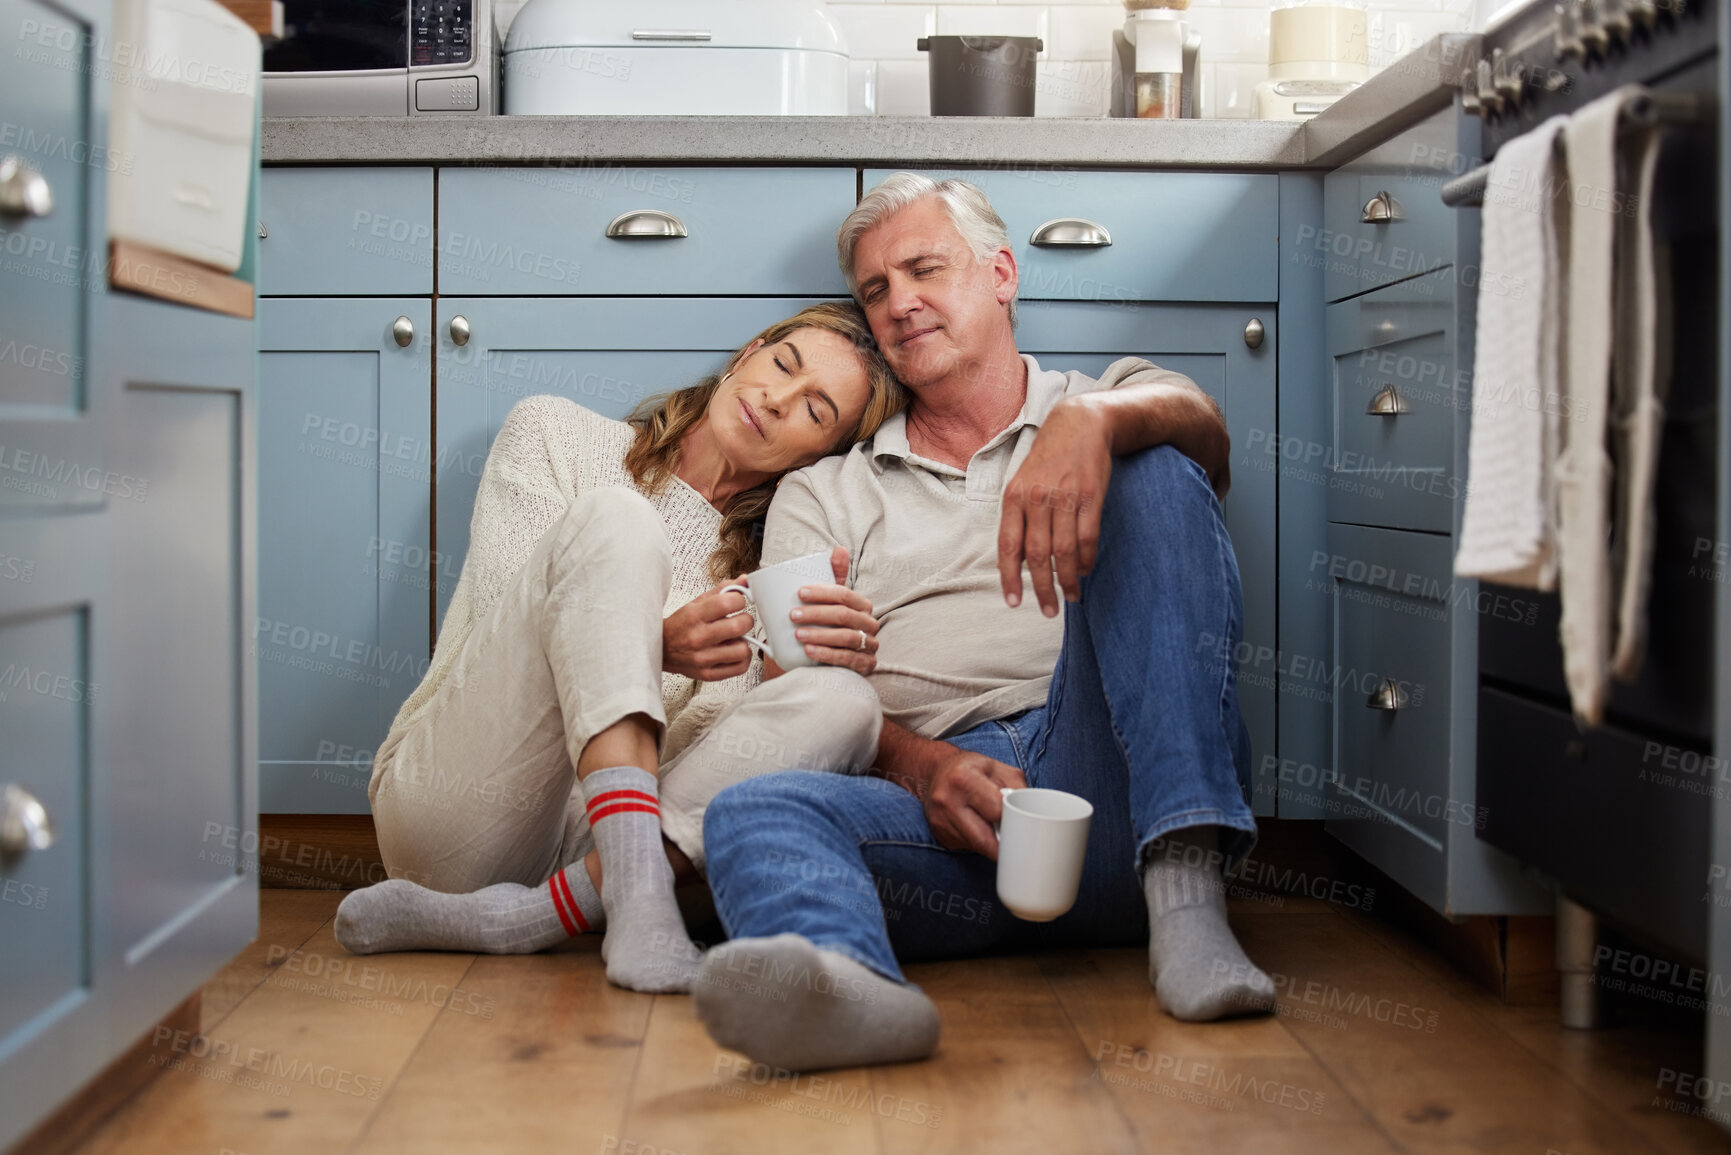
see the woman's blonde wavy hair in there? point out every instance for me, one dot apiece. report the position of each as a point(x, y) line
point(662, 421)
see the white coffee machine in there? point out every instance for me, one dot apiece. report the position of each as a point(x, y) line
point(1156, 63)
point(1318, 51)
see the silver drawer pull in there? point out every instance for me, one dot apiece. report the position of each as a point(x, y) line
point(402, 332)
point(669, 34)
point(459, 330)
point(1387, 403)
point(1254, 332)
point(1388, 696)
point(1381, 209)
point(24, 192)
point(24, 823)
point(262, 231)
point(1072, 232)
point(640, 224)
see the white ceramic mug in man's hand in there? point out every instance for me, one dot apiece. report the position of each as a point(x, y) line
point(774, 591)
point(1042, 839)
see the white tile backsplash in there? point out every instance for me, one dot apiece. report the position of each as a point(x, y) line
point(888, 75)
point(992, 20)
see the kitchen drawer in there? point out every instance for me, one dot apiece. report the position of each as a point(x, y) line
point(1359, 252)
point(543, 231)
point(1623, 817)
point(45, 261)
point(345, 232)
point(1175, 236)
point(1390, 594)
point(47, 700)
point(1395, 393)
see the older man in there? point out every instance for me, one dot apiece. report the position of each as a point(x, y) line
point(824, 880)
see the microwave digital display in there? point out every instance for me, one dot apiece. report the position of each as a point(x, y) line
point(357, 35)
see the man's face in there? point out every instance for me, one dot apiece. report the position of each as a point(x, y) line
point(934, 308)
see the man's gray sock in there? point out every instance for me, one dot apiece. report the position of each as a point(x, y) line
point(1196, 965)
point(503, 919)
point(646, 948)
point(787, 1002)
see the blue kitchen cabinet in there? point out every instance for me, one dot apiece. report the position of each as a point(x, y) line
point(1378, 638)
point(1206, 343)
point(606, 354)
point(345, 231)
point(347, 464)
point(127, 576)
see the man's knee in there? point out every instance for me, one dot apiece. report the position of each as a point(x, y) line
point(1159, 466)
point(834, 718)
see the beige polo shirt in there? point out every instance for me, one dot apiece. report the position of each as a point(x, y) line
point(923, 537)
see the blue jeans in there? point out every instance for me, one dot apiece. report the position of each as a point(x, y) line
point(1141, 719)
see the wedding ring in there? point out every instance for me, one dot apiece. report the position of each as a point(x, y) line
point(862, 639)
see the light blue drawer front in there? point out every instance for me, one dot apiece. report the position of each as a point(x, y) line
point(345, 232)
point(543, 232)
point(346, 472)
point(1396, 391)
point(1176, 236)
point(607, 355)
point(1391, 597)
point(47, 272)
point(1206, 344)
point(48, 690)
point(1360, 250)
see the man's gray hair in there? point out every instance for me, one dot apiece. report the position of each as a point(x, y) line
point(968, 208)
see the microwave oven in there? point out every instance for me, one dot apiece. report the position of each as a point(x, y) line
point(383, 58)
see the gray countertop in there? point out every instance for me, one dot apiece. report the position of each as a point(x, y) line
point(1407, 90)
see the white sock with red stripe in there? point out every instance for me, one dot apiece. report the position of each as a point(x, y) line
point(500, 919)
point(646, 948)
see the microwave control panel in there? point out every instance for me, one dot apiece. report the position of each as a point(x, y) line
point(443, 32)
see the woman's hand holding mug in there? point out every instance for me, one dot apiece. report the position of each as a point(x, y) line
point(825, 623)
point(703, 640)
point(829, 623)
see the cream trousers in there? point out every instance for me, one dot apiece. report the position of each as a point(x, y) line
point(482, 788)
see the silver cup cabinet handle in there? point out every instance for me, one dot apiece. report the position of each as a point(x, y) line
point(1387, 403)
point(1072, 233)
point(646, 224)
point(1387, 696)
point(1381, 209)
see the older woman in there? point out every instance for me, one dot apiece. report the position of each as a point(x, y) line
point(590, 691)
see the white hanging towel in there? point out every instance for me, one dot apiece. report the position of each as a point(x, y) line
point(1584, 471)
point(1638, 392)
point(1508, 529)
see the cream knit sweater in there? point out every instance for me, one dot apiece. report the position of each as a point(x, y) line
point(549, 451)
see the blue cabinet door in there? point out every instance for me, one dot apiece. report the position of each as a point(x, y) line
point(346, 474)
point(175, 812)
point(1206, 343)
point(608, 355)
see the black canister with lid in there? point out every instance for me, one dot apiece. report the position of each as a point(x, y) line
point(982, 75)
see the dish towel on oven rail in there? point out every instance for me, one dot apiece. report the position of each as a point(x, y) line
point(1508, 529)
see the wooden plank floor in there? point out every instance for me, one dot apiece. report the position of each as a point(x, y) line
point(1381, 1045)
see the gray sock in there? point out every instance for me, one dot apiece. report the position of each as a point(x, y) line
point(1196, 965)
point(646, 948)
point(501, 919)
point(786, 1002)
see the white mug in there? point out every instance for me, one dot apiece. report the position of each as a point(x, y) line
point(1042, 839)
point(774, 590)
